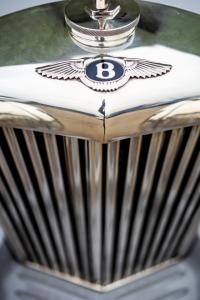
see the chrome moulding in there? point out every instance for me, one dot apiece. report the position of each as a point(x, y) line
point(100, 212)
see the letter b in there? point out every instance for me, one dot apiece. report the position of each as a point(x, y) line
point(105, 70)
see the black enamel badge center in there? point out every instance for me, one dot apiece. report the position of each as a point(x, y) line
point(104, 70)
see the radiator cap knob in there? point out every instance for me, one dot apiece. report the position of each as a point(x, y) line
point(102, 26)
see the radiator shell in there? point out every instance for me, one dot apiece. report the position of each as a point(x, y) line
point(157, 112)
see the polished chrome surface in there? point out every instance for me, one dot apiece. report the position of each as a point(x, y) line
point(139, 107)
point(106, 211)
point(102, 27)
point(101, 4)
point(104, 14)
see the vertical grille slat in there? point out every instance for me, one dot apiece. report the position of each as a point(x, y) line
point(19, 159)
point(23, 174)
point(170, 200)
point(129, 189)
point(149, 172)
point(182, 207)
point(15, 217)
point(93, 152)
point(46, 195)
point(154, 213)
point(187, 238)
point(76, 190)
point(110, 206)
point(22, 208)
point(13, 238)
point(99, 212)
point(193, 210)
point(61, 201)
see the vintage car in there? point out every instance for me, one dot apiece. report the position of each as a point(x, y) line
point(100, 152)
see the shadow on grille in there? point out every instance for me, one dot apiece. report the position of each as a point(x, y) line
point(99, 212)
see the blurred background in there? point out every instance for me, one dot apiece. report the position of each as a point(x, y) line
point(9, 6)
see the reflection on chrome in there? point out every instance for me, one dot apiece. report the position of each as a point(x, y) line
point(185, 109)
point(20, 111)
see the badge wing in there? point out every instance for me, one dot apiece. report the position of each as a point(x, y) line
point(141, 68)
point(70, 69)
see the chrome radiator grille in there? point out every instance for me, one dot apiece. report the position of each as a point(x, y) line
point(99, 212)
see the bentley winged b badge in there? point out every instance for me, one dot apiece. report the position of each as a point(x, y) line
point(104, 73)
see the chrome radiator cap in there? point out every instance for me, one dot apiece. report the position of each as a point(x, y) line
point(104, 26)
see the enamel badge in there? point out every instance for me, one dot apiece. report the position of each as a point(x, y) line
point(104, 73)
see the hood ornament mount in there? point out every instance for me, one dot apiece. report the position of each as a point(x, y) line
point(102, 26)
point(103, 14)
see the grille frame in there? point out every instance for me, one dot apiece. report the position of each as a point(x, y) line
point(107, 126)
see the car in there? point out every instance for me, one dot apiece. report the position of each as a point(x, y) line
point(100, 151)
